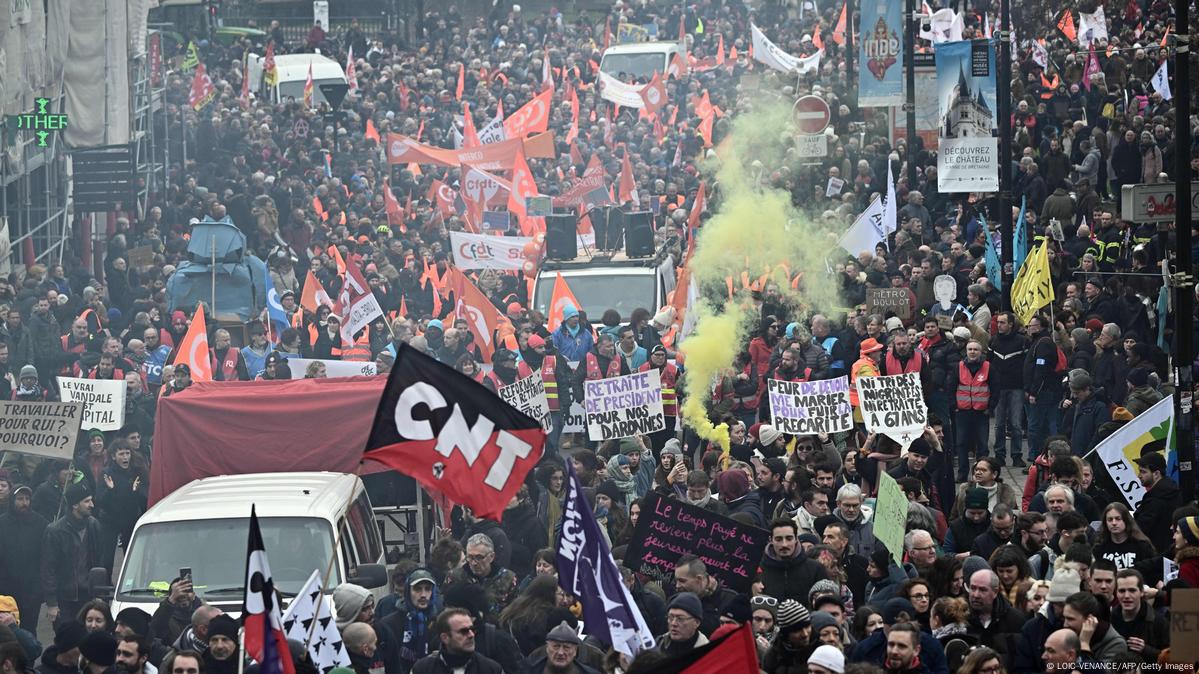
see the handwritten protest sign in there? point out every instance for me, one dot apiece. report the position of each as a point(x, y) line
point(528, 396)
point(44, 429)
point(621, 407)
point(333, 368)
point(142, 256)
point(889, 300)
point(1184, 625)
point(669, 529)
point(809, 407)
point(891, 516)
point(575, 419)
point(103, 401)
point(893, 406)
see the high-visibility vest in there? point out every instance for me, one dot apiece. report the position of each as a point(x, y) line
point(973, 391)
point(551, 383)
point(913, 365)
point(749, 403)
point(593, 368)
point(359, 352)
point(828, 344)
point(117, 373)
point(863, 367)
point(483, 378)
point(669, 375)
point(227, 367)
point(65, 371)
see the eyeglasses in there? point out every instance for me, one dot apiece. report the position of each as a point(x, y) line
point(478, 558)
point(677, 619)
point(763, 600)
point(918, 595)
point(465, 631)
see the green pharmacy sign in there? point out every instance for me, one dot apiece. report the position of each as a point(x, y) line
point(41, 122)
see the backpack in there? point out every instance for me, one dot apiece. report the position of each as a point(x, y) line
point(1062, 363)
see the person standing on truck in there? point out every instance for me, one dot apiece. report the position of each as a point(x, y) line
point(571, 340)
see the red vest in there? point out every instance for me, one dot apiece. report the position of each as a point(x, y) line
point(523, 370)
point(748, 403)
point(593, 368)
point(973, 391)
point(117, 373)
point(551, 383)
point(913, 365)
point(227, 367)
point(359, 352)
point(484, 378)
point(670, 375)
point(78, 348)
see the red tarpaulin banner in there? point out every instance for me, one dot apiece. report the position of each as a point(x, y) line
point(216, 428)
point(499, 156)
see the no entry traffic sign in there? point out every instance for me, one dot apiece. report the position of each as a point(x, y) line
point(811, 114)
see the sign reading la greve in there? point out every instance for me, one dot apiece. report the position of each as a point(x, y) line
point(1153, 202)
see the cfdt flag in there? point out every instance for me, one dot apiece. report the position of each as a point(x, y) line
point(453, 436)
point(265, 640)
point(968, 157)
point(586, 570)
point(880, 82)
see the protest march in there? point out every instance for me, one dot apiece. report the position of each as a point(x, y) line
point(621, 337)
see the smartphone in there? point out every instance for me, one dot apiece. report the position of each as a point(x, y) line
point(186, 573)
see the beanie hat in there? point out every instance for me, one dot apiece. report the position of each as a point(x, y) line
point(971, 565)
point(622, 460)
point(811, 539)
point(664, 317)
point(881, 557)
point(1138, 376)
point(349, 599)
point(629, 446)
point(828, 657)
point(1189, 526)
point(569, 312)
point(688, 602)
point(76, 493)
point(732, 485)
point(222, 626)
point(536, 341)
point(976, 498)
point(1065, 582)
point(892, 324)
point(608, 488)
point(673, 446)
point(894, 607)
point(737, 609)
point(564, 634)
point(1094, 325)
point(824, 586)
point(766, 603)
point(1121, 414)
point(821, 620)
point(768, 434)
point(100, 648)
point(28, 371)
point(135, 619)
point(69, 635)
point(435, 323)
point(792, 615)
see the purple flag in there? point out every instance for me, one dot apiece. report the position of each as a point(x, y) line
point(586, 570)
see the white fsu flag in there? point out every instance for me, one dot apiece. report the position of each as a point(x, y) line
point(325, 646)
point(1161, 82)
point(357, 305)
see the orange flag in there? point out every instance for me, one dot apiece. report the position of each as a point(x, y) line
point(371, 132)
point(839, 31)
point(1165, 36)
point(720, 50)
point(320, 209)
point(733, 56)
point(193, 349)
point(705, 128)
point(817, 39)
point(336, 255)
point(395, 214)
point(1066, 25)
point(461, 81)
point(403, 307)
point(628, 187)
point(482, 318)
point(701, 201)
point(430, 275)
point(561, 297)
point(314, 294)
point(470, 137)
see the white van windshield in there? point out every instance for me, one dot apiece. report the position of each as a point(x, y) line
point(295, 89)
point(638, 66)
point(600, 292)
point(214, 551)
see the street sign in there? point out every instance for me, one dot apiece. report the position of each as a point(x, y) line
point(1153, 202)
point(811, 114)
point(812, 145)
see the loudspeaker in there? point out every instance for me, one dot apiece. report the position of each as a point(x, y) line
point(561, 232)
point(608, 225)
point(639, 234)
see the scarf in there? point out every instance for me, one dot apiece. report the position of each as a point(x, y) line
point(626, 485)
point(952, 629)
point(415, 642)
point(701, 503)
point(992, 494)
point(553, 514)
point(574, 332)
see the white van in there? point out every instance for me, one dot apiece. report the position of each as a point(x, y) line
point(306, 518)
point(293, 73)
point(607, 281)
point(638, 60)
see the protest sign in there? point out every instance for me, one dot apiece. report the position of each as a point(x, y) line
point(44, 429)
point(142, 256)
point(528, 396)
point(889, 300)
point(621, 407)
point(893, 406)
point(891, 516)
point(1169, 569)
point(575, 419)
point(834, 187)
point(809, 407)
point(1184, 624)
point(333, 368)
point(668, 529)
point(103, 401)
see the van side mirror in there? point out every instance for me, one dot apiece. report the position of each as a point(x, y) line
point(98, 580)
point(369, 575)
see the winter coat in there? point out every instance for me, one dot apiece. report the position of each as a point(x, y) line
point(1142, 398)
point(1188, 565)
point(434, 664)
point(49, 663)
point(1084, 419)
point(526, 535)
point(873, 649)
point(1146, 625)
point(500, 586)
point(120, 506)
point(21, 553)
point(1154, 513)
point(878, 591)
point(750, 504)
point(1108, 647)
point(537, 666)
point(61, 550)
point(790, 578)
point(861, 533)
point(1004, 628)
point(1030, 643)
point(962, 532)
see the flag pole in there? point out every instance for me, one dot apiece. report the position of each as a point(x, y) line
point(212, 269)
point(241, 645)
point(329, 566)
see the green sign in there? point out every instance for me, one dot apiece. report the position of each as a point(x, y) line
point(41, 122)
point(891, 516)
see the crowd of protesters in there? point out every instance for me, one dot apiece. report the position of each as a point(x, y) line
point(1037, 576)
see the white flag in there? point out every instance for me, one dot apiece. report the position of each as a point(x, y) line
point(811, 63)
point(890, 212)
point(1169, 570)
point(1039, 55)
point(1144, 433)
point(956, 28)
point(1092, 27)
point(771, 54)
point(866, 232)
point(494, 131)
point(1161, 82)
point(325, 647)
point(939, 23)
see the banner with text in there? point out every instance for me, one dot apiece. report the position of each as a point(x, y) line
point(103, 401)
point(484, 251)
point(575, 419)
point(890, 516)
point(528, 396)
point(894, 406)
point(1150, 431)
point(810, 407)
point(333, 368)
point(668, 529)
point(621, 407)
point(880, 51)
point(44, 429)
point(968, 157)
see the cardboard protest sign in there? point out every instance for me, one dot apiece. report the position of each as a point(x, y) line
point(809, 407)
point(889, 300)
point(103, 401)
point(891, 516)
point(1184, 625)
point(893, 406)
point(669, 529)
point(44, 429)
point(575, 419)
point(621, 407)
point(142, 256)
point(333, 368)
point(528, 396)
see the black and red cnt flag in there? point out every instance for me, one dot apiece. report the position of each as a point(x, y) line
point(733, 653)
point(452, 435)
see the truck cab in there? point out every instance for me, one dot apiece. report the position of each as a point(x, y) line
point(605, 280)
point(638, 61)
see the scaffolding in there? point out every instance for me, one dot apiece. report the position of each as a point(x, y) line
point(149, 151)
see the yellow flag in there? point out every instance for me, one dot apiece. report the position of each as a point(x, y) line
point(192, 59)
point(1033, 287)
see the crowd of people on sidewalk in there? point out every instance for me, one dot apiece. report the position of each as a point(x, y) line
point(1040, 576)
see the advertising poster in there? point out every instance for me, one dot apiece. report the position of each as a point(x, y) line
point(880, 82)
point(968, 156)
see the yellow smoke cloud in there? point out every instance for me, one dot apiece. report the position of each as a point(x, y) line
point(755, 229)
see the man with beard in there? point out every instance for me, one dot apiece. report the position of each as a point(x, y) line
point(813, 504)
point(699, 493)
point(561, 650)
point(275, 367)
point(792, 645)
point(254, 354)
point(903, 650)
point(1033, 531)
point(507, 369)
point(22, 530)
point(412, 622)
point(71, 547)
point(993, 620)
point(181, 379)
point(63, 656)
point(788, 573)
point(221, 656)
point(456, 633)
point(361, 643)
point(132, 655)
